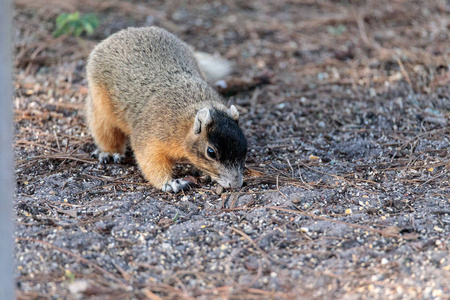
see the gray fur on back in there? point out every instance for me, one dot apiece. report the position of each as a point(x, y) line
point(150, 70)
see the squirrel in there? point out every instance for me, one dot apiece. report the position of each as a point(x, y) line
point(145, 86)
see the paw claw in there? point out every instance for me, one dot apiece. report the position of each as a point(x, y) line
point(106, 157)
point(176, 185)
point(118, 158)
point(95, 154)
point(167, 188)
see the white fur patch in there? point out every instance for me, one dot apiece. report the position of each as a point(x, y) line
point(213, 67)
point(221, 84)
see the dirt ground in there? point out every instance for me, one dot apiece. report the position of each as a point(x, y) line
point(345, 105)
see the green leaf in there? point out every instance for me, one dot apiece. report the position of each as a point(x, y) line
point(93, 19)
point(175, 218)
point(78, 31)
point(88, 27)
point(75, 24)
point(74, 17)
point(61, 20)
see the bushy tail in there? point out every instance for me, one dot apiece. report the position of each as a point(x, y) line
point(213, 67)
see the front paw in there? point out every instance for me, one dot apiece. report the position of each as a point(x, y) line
point(176, 185)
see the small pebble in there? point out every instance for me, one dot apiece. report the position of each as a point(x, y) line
point(219, 190)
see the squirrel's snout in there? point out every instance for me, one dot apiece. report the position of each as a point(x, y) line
point(237, 183)
point(234, 181)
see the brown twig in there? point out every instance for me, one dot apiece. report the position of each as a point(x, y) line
point(402, 69)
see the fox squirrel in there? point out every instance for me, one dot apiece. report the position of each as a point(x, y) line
point(145, 85)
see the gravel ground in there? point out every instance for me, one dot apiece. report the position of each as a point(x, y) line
point(346, 192)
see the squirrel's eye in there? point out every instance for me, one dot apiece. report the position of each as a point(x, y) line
point(211, 153)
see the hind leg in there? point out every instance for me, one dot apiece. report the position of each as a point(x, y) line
point(108, 130)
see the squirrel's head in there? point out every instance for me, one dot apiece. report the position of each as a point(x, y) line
point(218, 146)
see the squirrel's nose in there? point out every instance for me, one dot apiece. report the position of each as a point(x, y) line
point(240, 181)
point(237, 182)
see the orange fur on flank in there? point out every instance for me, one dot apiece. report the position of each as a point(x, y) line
point(109, 131)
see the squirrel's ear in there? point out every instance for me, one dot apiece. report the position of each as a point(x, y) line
point(233, 113)
point(202, 119)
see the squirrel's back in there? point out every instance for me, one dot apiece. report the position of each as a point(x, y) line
point(142, 54)
point(140, 65)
